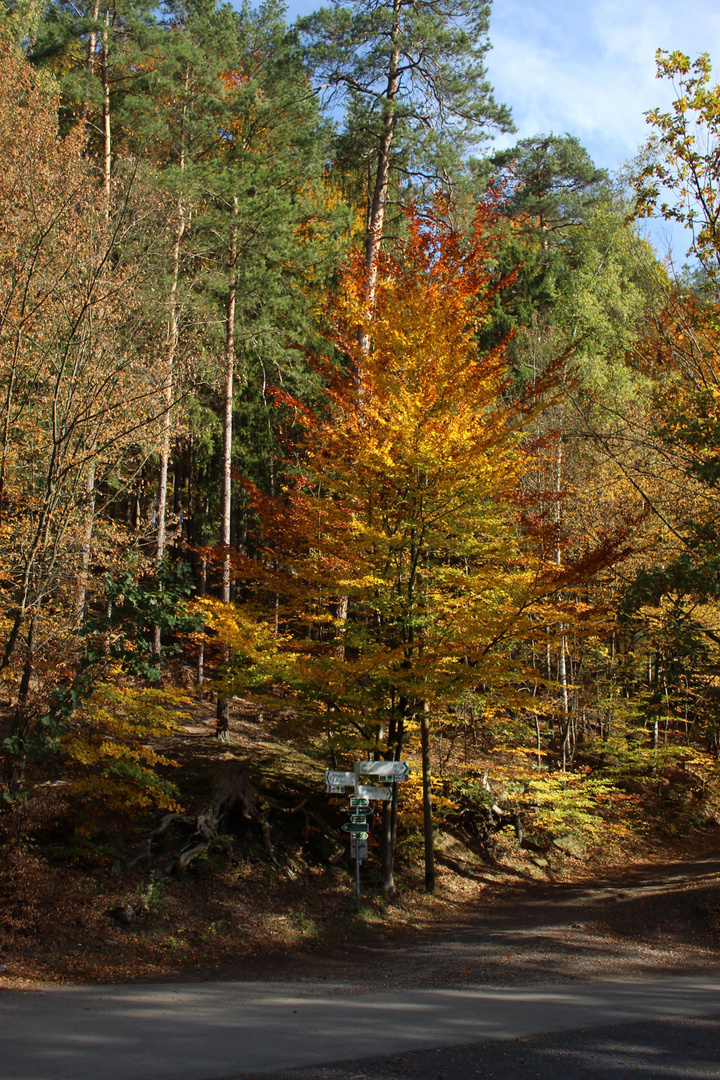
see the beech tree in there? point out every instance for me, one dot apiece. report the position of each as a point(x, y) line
point(672, 600)
point(406, 503)
point(680, 177)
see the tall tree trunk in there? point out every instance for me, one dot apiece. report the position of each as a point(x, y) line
point(202, 590)
point(20, 727)
point(562, 679)
point(90, 63)
point(107, 146)
point(169, 388)
point(223, 703)
point(7, 411)
point(427, 799)
point(376, 218)
point(179, 482)
point(168, 392)
point(389, 810)
point(374, 235)
point(562, 667)
point(87, 541)
point(90, 481)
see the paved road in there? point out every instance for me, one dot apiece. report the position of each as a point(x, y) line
point(653, 1050)
point(218, 1030)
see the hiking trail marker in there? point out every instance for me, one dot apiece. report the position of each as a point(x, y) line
point(387, 773)
point(395, 771)
point(382, 794)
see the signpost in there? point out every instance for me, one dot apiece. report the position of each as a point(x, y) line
point(382, 794)
point(336, 782)
point(343, 779)
point(397, 771)
point(359, 828)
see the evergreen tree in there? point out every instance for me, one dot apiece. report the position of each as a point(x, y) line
point(260, 203)
point(550, 186)
point(411, 74)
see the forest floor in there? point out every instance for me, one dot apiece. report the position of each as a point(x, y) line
point(646, 910)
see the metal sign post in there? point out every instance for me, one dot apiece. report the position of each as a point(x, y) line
point(336, 782)
point(358, 860)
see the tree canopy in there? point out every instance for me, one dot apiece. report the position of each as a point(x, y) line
point(311, 405)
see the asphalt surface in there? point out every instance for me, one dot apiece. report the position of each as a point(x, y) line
point(219, 1030)
point(658, 1050)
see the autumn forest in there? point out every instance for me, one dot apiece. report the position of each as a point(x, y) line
point(322, 415)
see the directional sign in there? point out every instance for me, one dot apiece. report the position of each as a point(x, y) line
point(345, 779)
point(361, 811)
point(334, 789)
point(359, 803)
point(358, 818)
point(381, 793)
point(358, 848)
point(358, 828)
point(386, 770)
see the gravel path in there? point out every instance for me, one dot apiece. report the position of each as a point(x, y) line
point(653, 923)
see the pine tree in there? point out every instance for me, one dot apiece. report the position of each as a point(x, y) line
point(259, 197)
point(412, 76)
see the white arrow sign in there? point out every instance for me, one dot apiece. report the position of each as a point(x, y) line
point(386, 770)
point(333, 779)
point(367, 792)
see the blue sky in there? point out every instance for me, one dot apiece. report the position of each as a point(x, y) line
point(588, 68)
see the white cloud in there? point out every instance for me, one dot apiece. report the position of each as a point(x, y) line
point(590, 70)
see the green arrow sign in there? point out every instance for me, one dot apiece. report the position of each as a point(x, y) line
point(357, 829)
point(358, 803)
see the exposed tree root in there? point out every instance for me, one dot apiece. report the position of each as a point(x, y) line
point(234, 811)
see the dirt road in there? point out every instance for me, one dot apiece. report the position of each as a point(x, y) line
point(663, 920)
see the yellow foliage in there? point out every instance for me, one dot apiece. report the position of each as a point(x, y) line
point(410, 491)
point(111, 752)
point(260, 658)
